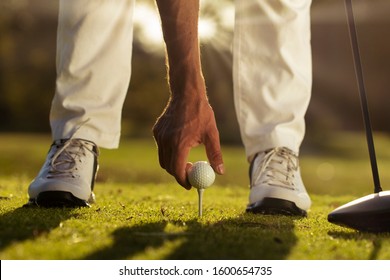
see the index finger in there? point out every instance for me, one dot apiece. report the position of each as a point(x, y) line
point(179, 166)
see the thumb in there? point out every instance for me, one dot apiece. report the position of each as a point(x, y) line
point(214, 154)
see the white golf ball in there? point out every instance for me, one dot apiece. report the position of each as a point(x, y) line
point(201, 175)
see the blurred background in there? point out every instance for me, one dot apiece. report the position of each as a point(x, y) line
point(27, 67)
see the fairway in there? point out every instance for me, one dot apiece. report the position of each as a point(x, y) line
point(141, 213)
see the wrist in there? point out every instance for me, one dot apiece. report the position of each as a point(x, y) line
point(187, 84)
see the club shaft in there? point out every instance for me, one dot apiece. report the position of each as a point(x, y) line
point(362, 93)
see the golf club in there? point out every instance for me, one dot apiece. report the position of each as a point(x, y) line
point(370, 213)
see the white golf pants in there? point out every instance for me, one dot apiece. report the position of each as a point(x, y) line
point(94, 47)
point(272, 71)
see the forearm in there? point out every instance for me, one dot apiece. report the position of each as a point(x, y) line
point(179, 20)
point(188, 120)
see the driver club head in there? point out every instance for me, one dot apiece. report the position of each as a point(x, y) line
point(370, 213)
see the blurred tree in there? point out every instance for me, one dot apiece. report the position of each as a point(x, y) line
point(27, 67)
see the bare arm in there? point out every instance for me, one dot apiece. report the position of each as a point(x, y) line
point(188, 120)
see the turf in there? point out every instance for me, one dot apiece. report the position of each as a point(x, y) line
point(141, 213)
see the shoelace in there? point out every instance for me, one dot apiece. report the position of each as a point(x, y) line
point(63, 162)
point(278, 174)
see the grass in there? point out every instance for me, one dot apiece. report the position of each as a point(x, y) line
point(141, 213)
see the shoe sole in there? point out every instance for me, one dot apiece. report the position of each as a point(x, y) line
point(275, 206)
point(53, 199)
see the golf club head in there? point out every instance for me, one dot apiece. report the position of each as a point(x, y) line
point(370, 213)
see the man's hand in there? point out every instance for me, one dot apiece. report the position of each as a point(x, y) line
point(188, 119)
point(183, 125)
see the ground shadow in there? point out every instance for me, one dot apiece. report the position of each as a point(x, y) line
point(29, 223)
point(246, 237)
point(375, 238)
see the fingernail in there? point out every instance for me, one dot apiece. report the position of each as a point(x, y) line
point(220, 169)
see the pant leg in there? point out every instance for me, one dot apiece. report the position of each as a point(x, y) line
point(272, 72)
point(94, 46)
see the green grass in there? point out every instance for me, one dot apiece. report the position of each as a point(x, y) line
point(141, 213)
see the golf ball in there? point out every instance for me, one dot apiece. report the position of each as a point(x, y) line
point(201, 175)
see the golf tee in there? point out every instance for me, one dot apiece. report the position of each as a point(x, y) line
point(200, 201)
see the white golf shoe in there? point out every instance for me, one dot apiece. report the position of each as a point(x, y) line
point(68, 175)
point(276, 184)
